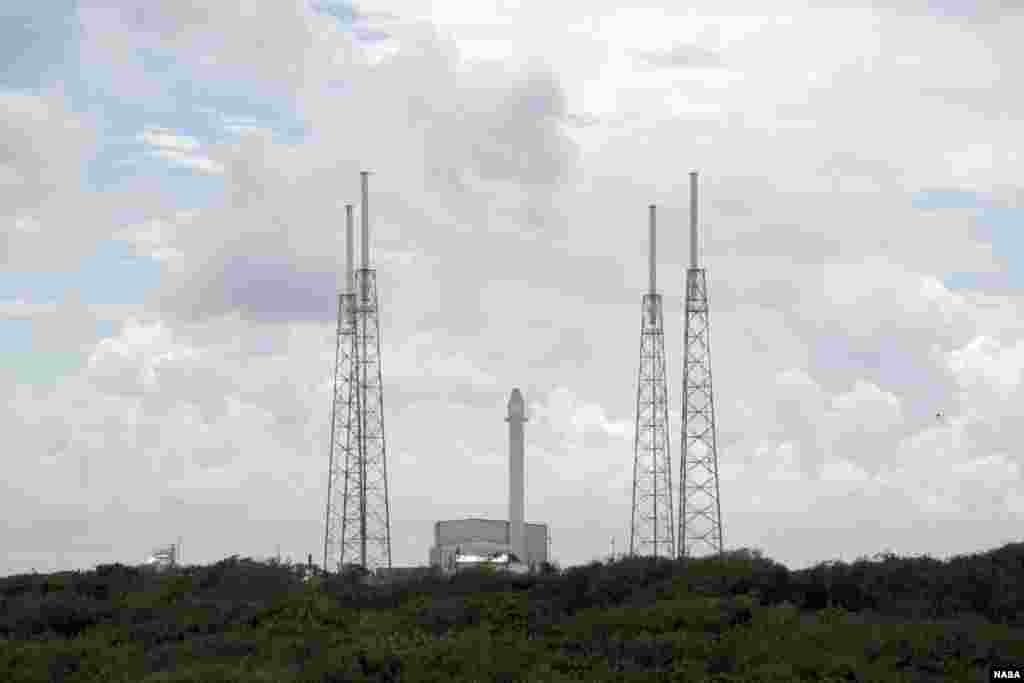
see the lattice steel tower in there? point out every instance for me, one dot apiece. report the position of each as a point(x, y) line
point(357, 529)
point(652, 531)
point(700, 509)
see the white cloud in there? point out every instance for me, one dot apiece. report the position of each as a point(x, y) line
point(198, 163)
point(868, 408)
point(181, 150)
point(218, 39)
point(573, 418)
point(247, 129)
point(23, 310)
point(41, 183)
point(985, 364)
point(166, 139)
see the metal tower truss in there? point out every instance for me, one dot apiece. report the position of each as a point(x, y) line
point(652, 529)
point(343, 432)
point(358, 529)
point(368, 515)
point(365, 520)
point(700, 519)
point(358, 521)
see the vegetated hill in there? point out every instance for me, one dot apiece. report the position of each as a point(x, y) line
point(738, 617)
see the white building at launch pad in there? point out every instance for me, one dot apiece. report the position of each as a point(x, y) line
point(478, 541)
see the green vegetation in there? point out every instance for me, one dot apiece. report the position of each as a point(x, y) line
point(736, 618)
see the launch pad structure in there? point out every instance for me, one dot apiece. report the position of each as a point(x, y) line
point(653, 531)
point(469, 541)
point(357, 528)
point(652, 528)
point(700, 509)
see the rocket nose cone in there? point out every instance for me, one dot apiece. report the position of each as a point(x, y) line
point(515, 403)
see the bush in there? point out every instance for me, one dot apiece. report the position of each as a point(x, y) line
point(243, 620)
point(441, 615)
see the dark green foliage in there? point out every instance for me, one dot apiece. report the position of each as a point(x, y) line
point(736, 617)
point(447, 613)
point(43, 614)
point(242, 579)
point(988, 584)
point(63, 665)
point(624, 655)
point(548, 569)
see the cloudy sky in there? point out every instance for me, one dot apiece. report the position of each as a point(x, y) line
point(172, 183)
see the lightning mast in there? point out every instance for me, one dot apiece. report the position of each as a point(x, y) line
point(700, 516)
point(358, 526)
point(652, 528)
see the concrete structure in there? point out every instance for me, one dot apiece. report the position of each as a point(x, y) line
point(163, 558)
point(500, 561)
point(485, 538)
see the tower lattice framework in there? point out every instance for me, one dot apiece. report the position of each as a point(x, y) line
point(700, 510)
point(358, 523)
point(652, 528)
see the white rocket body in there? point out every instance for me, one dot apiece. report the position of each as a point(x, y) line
point(516, 492)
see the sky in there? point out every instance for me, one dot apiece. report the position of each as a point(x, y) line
point(173, 178)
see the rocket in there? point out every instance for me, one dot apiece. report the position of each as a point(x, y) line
point(516, 418)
